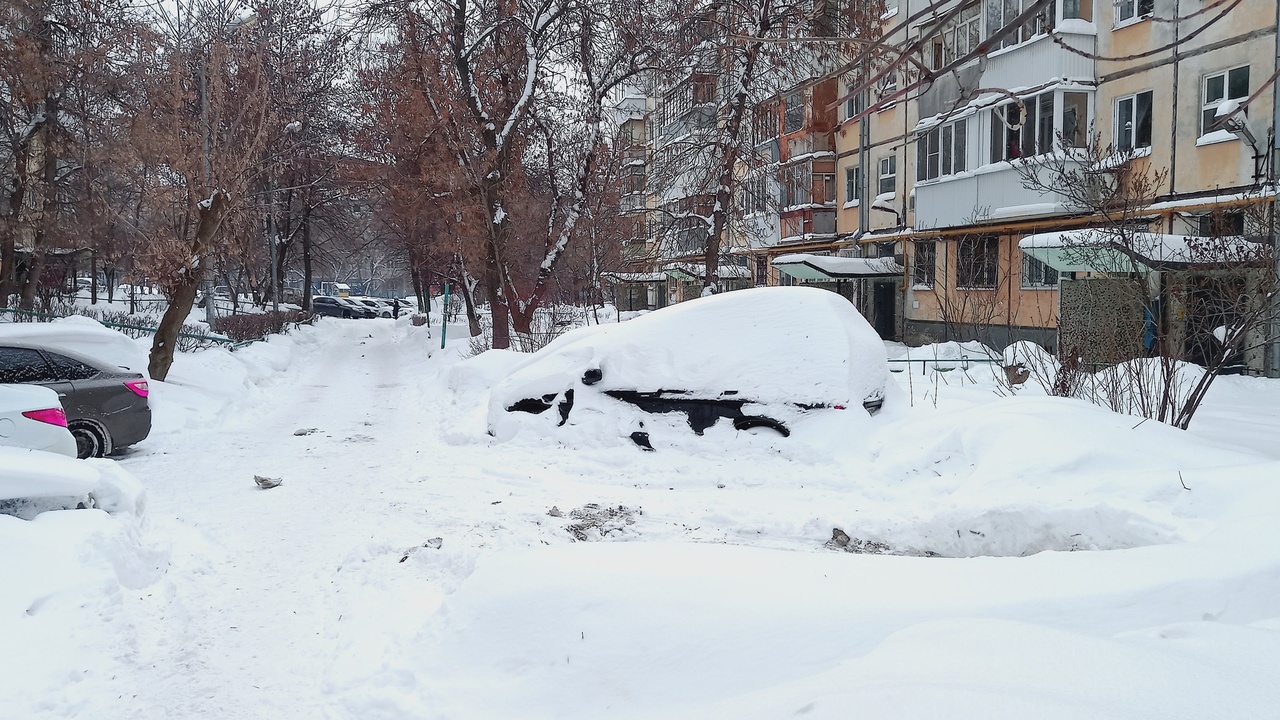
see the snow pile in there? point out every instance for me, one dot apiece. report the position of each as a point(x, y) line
point(80, 335)
point(65, 578)
point(942, 356)
point(641, 630)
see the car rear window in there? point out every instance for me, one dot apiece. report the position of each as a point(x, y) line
point(24, 365)
point(69, 369)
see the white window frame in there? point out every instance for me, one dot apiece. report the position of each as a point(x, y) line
point(888, 171)
point(949, 145)
point(851, 180)
point(1207, 105)
point(1134, 8)
point(1119, 120)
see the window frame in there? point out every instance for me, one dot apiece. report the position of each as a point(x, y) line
point(852, 180)
point(924, 274)
point(1135, 101)
point(951, 153)
point(891, 161)
point(1211, 106)
point(1035, 273)
point(788, 108)
point(1030, 139)
point(1140, 9)
point(982, 271)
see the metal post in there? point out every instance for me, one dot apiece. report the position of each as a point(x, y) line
point(1273, 344)
point(444, 322)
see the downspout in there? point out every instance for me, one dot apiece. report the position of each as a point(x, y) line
point(1273, 368)
point(1173, 116)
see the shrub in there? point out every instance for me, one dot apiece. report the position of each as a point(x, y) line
point(259, 325)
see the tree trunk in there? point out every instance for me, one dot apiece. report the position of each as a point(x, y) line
point(306, 264)
point(184, 296)
point(497, 308)
point(473, 320)
point(27, 299)
point(416, 278)
point(8, 245)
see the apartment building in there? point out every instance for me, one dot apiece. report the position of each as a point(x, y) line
point(934, 185)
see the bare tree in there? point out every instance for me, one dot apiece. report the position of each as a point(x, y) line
point(1162, 303)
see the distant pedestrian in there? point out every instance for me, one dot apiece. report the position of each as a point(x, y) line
point(395, 307)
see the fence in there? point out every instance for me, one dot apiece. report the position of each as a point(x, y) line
point(200, 340)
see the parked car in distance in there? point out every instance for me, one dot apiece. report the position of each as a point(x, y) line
point(106, 406)
point(331, 306)
point(379, 306)
point(32, 417)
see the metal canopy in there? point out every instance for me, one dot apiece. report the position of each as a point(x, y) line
point(826, 268)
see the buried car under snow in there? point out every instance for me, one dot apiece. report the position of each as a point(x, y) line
point(754, 358)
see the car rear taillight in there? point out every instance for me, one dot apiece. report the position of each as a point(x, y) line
point(139, 387)
point(53, 416)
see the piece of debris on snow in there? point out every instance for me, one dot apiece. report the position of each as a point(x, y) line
point(555, 512)
point(434, 543)
point(840, 540)
point(266, 483)
point(305, 431)
point(599, 523)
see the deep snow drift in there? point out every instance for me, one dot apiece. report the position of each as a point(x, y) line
point(1001, 556)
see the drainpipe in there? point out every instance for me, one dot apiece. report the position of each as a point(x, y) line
point(1173, 116)
point(1273, 346)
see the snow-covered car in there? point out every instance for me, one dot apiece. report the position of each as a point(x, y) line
point(763, 357)
point(32, 417)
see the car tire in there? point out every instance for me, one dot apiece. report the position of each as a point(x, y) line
point(91, 440)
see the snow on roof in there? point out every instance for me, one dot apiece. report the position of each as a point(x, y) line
point(634, 277)
point(1152, 249)
point(836, 267)
point(699, 270)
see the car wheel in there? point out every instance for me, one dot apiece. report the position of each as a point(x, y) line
point(90, 440)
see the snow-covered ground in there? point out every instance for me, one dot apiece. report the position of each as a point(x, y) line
point(1021, 557)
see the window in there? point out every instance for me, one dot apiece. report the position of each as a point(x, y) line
point(23, 365)
point(925, 261)
point(1222, 224)
point(704, 89)
point(762, 270)
point(1133, 121)
point(1220, 87)
point(797, 185)
point(1132, 10)
point(757, 195)
point(1034, 137)
point(959, 37)
point(942, 151)
point(852, 184)
point(1003, 12)
point(888, 174)
point(68, 369)
point(1075, 119)
point(853, 105)
point(633, 178)
point(1077, 10)
point(976, 263)
point(1036, 274)
point(794, 119)
point(765, 123)
point(824, 188)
